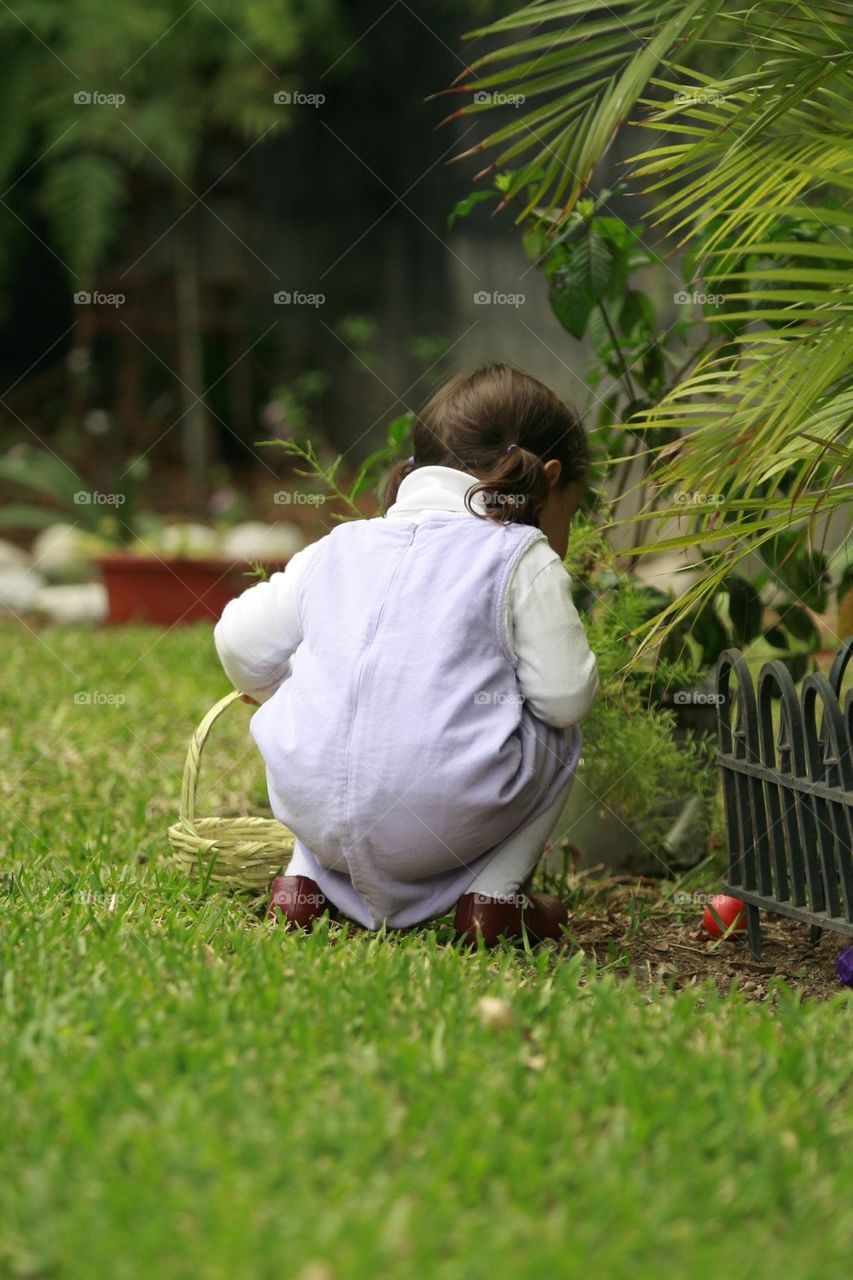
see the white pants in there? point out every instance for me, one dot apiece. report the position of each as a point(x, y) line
point(512, 863)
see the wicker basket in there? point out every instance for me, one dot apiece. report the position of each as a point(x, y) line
point(245, 852)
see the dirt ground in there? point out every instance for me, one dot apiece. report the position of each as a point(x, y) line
point(626, 918)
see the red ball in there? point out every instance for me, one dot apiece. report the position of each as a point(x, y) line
point(730, 910)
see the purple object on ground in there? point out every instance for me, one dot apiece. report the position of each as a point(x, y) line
point(844, 967)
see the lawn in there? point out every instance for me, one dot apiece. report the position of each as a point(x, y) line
point(187, 1092)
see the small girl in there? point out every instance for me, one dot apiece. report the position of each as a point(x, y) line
point(421, 675)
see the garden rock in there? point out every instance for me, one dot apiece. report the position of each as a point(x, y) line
point(18, 588)
point(186, 540)
point(256, 541)
point(12, 556)
point(80, 602)
point(64, 551)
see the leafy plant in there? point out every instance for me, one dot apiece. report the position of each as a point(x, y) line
point(732, 616)
point(632, 760)
point(105, 521)
point(757, 185)
point(119, 101)
point(54, 489)
point(368, 476)
point(179, 73)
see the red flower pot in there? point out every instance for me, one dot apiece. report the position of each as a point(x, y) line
point(173, 589)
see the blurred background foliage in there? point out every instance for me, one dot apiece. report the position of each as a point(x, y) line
point(192, 166)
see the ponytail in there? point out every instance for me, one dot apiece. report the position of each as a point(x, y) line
point(501, 426)
point(514, 490)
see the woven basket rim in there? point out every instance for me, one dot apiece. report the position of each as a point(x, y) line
point(245, 849)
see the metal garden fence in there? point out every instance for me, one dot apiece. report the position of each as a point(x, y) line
point(788, 792)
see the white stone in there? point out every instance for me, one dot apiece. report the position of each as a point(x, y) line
point(256, 541)
point(63, 551)
point(494, 1012)
point(186, 540)
point(75, 603)
point(12, 557)
point(18, 588)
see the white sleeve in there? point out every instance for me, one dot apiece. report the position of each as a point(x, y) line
point(260, 630)
point(557, 670)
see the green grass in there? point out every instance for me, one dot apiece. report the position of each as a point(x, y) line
point(187, 1093)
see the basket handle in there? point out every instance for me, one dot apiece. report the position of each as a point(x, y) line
point(192, 764)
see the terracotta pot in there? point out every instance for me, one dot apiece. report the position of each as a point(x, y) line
point(172, 589)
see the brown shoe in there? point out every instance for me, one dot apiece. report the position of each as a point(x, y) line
point(495, 918)
point(297, 900)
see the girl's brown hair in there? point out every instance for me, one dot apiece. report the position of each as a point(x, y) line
point(503, 426)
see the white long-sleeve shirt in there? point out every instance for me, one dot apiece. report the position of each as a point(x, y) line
point(260, 630)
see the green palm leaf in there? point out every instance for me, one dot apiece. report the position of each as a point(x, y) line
point(754, 105)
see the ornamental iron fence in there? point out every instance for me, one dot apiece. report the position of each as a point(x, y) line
point(788, 792)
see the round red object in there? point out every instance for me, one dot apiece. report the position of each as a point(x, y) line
point(730, 910)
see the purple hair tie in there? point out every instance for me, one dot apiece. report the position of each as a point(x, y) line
point(411, 460)
point(510, 447)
